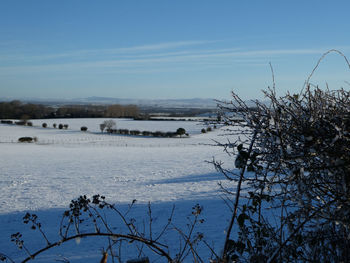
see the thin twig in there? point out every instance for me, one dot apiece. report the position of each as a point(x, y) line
point(83, 235)
point(238, 191)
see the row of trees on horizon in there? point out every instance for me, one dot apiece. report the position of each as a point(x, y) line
point(24, 111)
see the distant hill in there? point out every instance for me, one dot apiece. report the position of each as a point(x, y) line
point(181, 103)
point(194, 103)
point(159, 103)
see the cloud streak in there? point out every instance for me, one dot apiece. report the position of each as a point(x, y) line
point(150, 58)
point(112, 51)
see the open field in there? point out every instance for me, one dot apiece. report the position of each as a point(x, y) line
point(45, 176)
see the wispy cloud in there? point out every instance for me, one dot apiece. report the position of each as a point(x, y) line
point(74, 54)
point(162, 57)
point(161, 46)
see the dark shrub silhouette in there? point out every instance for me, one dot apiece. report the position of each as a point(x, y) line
point(6, 122)
point(180, 131)
point(20, 122)
point(25, 139)
point(146, 133)
point(135, 132)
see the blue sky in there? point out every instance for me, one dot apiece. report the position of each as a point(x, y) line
point(169, 49)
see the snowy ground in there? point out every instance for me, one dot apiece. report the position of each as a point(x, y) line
point(44, 177)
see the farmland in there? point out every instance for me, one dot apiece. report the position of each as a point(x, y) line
point(43, 177)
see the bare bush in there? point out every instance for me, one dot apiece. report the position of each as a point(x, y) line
point(102, 127)
point(87, 218)
point(293, 158)
point(109, 125)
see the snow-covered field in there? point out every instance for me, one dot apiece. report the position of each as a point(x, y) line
point(43, 177)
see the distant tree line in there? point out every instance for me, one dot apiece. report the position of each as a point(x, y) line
point(18, 110)
point(149, 111)
point(116, 110)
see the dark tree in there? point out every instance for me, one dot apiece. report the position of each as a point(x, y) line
point(180, 131)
